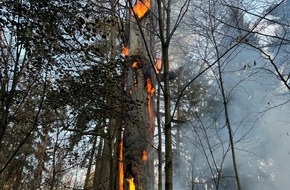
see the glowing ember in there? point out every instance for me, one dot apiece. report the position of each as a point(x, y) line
point(120, 165)
point(135, 65)
point(150, 88)
point(150, 91)
point(144, 156)
point(131, 183)
point(141, 7)
point(158, 65)
point(125, 51)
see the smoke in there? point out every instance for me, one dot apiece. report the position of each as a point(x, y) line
point(274, 130)
point(258, 104)
point(259, 115)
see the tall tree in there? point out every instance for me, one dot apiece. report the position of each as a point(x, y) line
point(167, 26)
point(139, 128)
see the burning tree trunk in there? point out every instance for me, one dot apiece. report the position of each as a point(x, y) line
point(139, 129)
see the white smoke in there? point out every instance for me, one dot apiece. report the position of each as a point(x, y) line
point(258, 104)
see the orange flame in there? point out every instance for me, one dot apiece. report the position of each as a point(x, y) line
point(135, 65)
point(141, 7)
point(120, 165)
point(150, 87)
point(150, 91)
point(125, 51)
point(144, 156)
point(131, 183)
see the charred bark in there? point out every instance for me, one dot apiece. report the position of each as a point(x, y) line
point(138, 136)
point(139, 128)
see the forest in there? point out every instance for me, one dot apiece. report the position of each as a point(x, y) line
point(144, 94)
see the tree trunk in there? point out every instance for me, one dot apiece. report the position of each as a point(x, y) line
point(139, 129)
point(98, 164)
point(104, 173)
point(168, 128)
point(227, 117)
point(158, 117)
point(92, 156)
point(164, 16)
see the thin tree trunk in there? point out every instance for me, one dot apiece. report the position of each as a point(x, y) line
point(98, 165)
point(92, 156)
point(112, 153)
point(158, 117)
point(104, 172)
point(230, 133)
point(120, 166)
point(164, 30)
point(227, 118)
point(177, 156)
point(168, 128)
point(115, 118)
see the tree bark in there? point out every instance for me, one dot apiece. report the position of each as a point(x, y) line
point(164, 16)
point(158, 117)
point(98, 165)
point(139, 129)
point(168, 128)
point(86, 185)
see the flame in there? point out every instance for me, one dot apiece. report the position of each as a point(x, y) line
point(135, 65)
point(120, 165)
point(141, 7)
point(144, 156)
point(150, 91)
point(158, 65)
point(125, 51)
point(131, 183)
point(150, 87)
